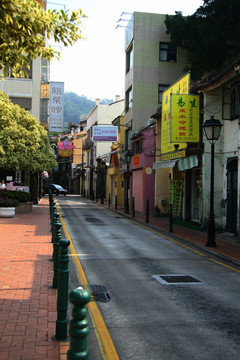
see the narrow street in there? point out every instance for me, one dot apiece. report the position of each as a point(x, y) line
point(163, 301)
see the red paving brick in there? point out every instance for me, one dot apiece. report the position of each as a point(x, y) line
point(26, 296)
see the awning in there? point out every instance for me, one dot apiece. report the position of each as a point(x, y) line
point(164, 164)
point(187, 163)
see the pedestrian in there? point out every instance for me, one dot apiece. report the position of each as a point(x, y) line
point(2, 185)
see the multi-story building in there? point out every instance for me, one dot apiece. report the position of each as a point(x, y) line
point(152, 65)
point(97, 152)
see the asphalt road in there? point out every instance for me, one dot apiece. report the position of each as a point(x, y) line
point(147, 318)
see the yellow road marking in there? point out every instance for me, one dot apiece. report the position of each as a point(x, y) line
point(105, 342)
point(179, 243)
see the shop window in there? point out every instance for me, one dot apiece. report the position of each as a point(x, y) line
point(167, 52)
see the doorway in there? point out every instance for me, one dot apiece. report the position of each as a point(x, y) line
point(232, 180)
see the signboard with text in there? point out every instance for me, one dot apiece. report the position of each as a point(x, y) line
point(184, 118)
point(105, 133)
point(56, 100)
point(179, 87)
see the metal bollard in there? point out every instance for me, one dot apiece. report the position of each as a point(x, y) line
point(57, 239)
point(78, 329)
point(170, 218)
point(147, 212)
point(55, 219)
point(115, 202)
point(133, 207)
point(62, 293)
point(109, 200)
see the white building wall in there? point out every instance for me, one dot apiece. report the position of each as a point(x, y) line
point(226, 147)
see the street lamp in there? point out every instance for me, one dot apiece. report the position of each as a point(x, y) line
point(128, 157)
point(212, 129)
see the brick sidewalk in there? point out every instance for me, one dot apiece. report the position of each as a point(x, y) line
point(27, 302)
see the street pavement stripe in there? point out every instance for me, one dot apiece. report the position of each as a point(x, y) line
point(105, 342)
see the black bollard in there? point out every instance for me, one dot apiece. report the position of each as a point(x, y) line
point(62, 293)
point(78, 329)
point(109, 200)
point(133, 207)
point(170, 218)
point(57, 239)
point(115, 202)
point(147, 212)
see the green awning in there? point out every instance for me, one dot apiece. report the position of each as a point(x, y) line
point(187, 163)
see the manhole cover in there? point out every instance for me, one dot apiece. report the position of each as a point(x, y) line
point(175, 279)
point(99, 293)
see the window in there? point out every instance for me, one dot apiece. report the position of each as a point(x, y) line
point(129, 99)
point(137, 147)
point(167, 52)
point(128, 134)
point(235, 96)
point(161, 89)
point(129, 59)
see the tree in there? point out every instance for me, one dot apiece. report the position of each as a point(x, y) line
point(210, 35)
point(24, 27)
point(24, 143)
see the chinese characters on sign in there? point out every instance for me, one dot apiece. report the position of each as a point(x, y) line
point(105, 133)
point(175, 196)
point(179, 87)
point(56, 106)
point(184, 118)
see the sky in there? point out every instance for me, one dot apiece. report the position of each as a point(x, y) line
point(95, 67)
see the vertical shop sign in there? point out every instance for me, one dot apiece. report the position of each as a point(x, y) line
point(184, 118)
point(175, 196)
point(179, 87)
point(56, 95)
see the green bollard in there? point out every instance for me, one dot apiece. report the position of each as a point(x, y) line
point(78, 329)
point(57, 239)
point(54, 221)
point(62, 293)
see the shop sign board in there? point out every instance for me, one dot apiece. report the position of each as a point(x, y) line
point(184, 118)
point(105, 133)
point(56, 99)
point(179, 87)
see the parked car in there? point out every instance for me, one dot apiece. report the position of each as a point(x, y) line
point(57, 189)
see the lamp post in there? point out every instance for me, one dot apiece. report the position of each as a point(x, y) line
point(128, 157)
point(212, 128)
point(102, 181)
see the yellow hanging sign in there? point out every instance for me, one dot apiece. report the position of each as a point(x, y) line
point(179, 87)
point(184, 123)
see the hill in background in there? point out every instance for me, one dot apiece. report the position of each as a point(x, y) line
point(76, 107)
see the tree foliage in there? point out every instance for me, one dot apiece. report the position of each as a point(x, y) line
point(24, 143)
point(24, 27)
point(210, 35)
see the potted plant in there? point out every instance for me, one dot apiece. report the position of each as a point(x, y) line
point(7, 207)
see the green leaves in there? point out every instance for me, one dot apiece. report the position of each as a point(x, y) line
point(210, 35)
point(24, 143)
point(24, 26)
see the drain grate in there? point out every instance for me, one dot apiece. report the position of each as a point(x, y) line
point(175, 279)
point(99, 293)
